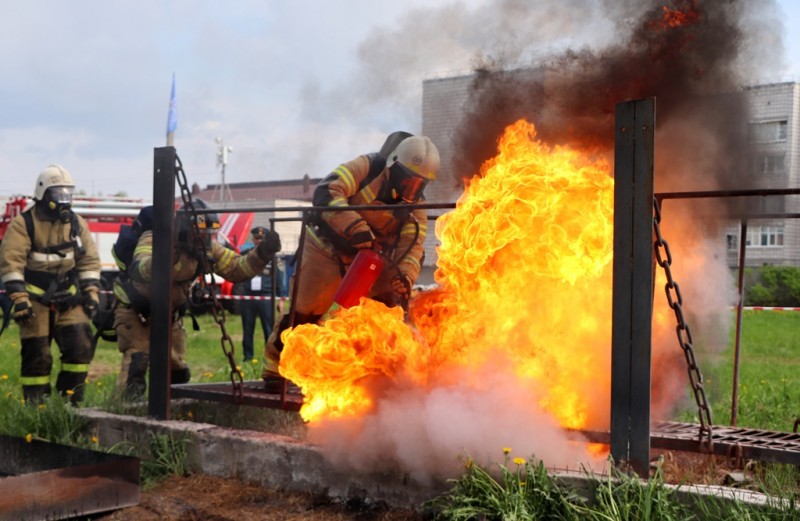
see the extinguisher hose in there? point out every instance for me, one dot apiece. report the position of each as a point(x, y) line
point(404, 299)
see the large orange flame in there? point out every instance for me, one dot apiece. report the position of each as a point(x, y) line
point(524, 277)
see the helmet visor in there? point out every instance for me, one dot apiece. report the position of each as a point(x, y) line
point(60, 194)
point(408, 184)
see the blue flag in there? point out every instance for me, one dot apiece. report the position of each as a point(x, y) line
point(172, 116)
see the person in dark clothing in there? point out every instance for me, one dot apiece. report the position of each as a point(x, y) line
point(258, 305)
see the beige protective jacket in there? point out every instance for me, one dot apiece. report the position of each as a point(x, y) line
point(394, 232)
point(226, 263)
point(52, 254)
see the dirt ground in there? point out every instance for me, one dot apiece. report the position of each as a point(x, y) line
point(207, 498)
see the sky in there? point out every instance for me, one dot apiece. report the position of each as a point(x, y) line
point(293, 87)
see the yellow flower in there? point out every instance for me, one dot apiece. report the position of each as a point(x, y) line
point(239, 369)
point(41, 406)
point(29, 437)
point(519, 461)
point(95, 440)
point(4, 377)
point(70, 392)
point(506, 450)
point(254, 361)
point(190, 415)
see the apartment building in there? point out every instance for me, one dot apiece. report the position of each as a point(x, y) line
point(774, 133)
point(774, 159)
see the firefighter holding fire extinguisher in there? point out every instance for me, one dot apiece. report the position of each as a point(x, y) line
point(396, 175)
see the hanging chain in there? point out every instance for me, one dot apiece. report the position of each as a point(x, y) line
point(217, 310)
point(675, 301)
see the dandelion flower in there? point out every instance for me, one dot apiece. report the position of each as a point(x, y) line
point(28, 437)
point(42, 406)
point(4, 377)
point(95, 440)
point(254, 361)
point(506, 450)
point(519, 461)
point(70, 392)
point(190, 415)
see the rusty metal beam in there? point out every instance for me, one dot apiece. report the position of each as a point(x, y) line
point(48, 481)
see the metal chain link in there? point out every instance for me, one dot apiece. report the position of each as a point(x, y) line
point(217, 310)
point(675, 301)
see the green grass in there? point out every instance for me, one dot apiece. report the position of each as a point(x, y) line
point(769, 398)
point(204, 355)
point(768, 387)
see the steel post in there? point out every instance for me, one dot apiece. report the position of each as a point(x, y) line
point(739, 306)
point(160, 304)
point(633, 284)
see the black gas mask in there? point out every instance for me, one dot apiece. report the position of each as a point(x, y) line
point(57, 201)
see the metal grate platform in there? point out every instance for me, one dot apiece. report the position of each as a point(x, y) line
point(732, 442)
point(253, 393)
point(739, 443)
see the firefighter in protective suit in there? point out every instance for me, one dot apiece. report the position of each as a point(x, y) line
point(395, 175)
point(51, 270)
point(133, 291)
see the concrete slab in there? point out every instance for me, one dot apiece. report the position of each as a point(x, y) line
point(283, 462)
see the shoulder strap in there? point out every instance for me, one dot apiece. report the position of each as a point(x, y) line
point(28, 216)
point(376, 165)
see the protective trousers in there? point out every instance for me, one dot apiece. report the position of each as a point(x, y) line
point(71, 331)
point(320, 273)
point(133, 340)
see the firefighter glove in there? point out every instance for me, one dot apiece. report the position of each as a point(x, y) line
point(401, 285)
point(269, 245)
point(362, 239)
point(91, 301)
point(22, 311)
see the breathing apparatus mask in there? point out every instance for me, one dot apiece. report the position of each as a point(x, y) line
point(408, 186)
point(194, 231)
point(58, 202)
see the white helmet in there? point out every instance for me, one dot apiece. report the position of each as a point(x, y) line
point(52, 176)
point(412, 165)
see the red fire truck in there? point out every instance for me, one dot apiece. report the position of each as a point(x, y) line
point(105, 215)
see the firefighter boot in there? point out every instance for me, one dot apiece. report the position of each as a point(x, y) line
point(136, 385)
point(36, 364)
point(75, 342)
point(180, 376)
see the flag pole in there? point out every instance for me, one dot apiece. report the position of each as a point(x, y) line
point(172, 115)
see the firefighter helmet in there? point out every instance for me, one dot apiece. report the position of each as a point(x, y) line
point(187, 222)
point(413, 164)
point(51, 177)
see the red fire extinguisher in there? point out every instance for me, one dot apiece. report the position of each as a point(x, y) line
point(359, 279)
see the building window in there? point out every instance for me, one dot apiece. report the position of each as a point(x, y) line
point(761, 236)
point(771, 236)
point(768, 164)
point(767, 131)
point(732, 241)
